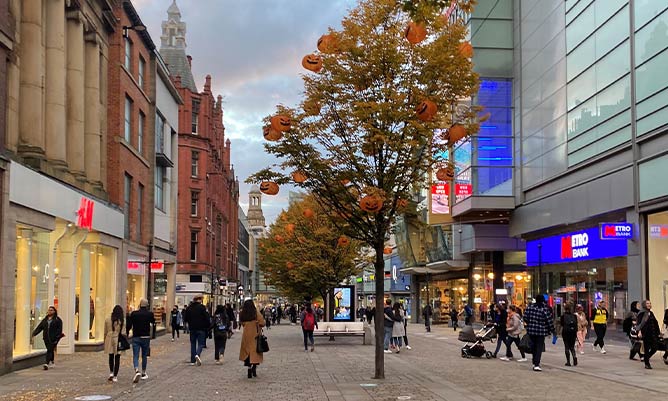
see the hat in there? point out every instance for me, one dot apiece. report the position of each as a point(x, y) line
point(143, 303)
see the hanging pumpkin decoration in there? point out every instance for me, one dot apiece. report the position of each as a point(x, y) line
point(312, 107)
point(278, 238)
point(271, 134)
point(371, 203)
point(280, 123)
point(298, 177)
point(446, 173)
point(455, 133)
point(328, 44)
point(466, 50)
point(426, 110)
point(343, 241)
point(269, 187)
point(415, 32)
point(312, 62)
point(290, 265)
point(308, 213)
point(387, 250)
point(290, 228)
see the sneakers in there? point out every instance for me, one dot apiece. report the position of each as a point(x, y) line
point(306, 350)
point(312, 348)
point(198, 361)
point(387, 351)
point(135, 378)
point(114, 379)
point(52, 365)
point(144, 376)
point(172, 339)
point(408, 347)
point(504, 358)
point(603, 350)
point(537, 369)
point(45, 367)
point(192, 364)
point(111, 377)
point(522, 360)
point(594, 348)
point(217, 362)
point(582, 352)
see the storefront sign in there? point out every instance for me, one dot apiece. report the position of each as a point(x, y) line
point(157, 266)
point(575, 246)
point(616, 230)
point(658, 231)
point(85, 214)
point(135, 267)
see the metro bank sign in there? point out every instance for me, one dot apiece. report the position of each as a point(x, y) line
point(589, 244)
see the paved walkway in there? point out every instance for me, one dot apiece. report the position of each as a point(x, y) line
point(343, 370)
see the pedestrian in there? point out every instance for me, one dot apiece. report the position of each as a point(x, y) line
point(388, 324)
point(583, 325)
point(113, 327)
point(52, 331)
point(370, 314)
point(539, 324)
point(454, 317)
point(467, 313)
point(140, 322)
point(185, 324)
point(648, 331)
point(404, 314)
point(293, 314)
point(199, 323)
point(426, 313)
point(514, 330)
point(665, 326)
point(221, 326)
point(501, 320)
point(175, 321)
point(600, 325)
point(398, 331)
point(309, 322)
point(279, 314)
point(569, 333)
point(267, 316)
point(232, 319)
point(252, 323)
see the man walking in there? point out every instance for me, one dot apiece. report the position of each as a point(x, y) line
point(199, 321)
point(175, 321)
point(426, 313)
point(539, 324)
point(140, 322)
point(388, 324)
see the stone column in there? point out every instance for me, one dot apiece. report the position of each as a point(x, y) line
point(31, 120)
point(75, 95)
point(55, 128)
point(92, 114)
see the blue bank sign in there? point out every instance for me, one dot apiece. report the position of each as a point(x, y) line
point(577, 246)
point(616, 230)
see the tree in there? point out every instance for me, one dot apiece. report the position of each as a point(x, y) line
point(305, 254)
point(387, 98)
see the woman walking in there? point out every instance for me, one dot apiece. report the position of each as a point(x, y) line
point(513, 330)
point(221, 326)
point(252, 322)
point(398, 331)
point(569, 332)
point(52, 331)
point(629, 323)
point(583, 325)
point(600, 325)
point(113, 327)
point(309, 323)
point(648, 331)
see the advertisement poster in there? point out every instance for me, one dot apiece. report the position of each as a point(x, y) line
point(343, 303)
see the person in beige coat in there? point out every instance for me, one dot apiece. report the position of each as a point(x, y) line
point(252, 322)
point(113, 327)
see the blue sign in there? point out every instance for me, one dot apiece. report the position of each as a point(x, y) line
point(573, 247)
point(616, 230)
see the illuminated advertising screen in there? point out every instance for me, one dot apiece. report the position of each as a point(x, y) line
point(343, 303)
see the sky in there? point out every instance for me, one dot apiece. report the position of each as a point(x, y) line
point(252, 49)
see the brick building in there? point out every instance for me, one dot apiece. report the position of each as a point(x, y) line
point(208, 190)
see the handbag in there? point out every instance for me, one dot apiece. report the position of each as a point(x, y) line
point(525, 344)
point(123, 343)
point(262, 345)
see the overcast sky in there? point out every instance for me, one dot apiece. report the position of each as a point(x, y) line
point(252, 49)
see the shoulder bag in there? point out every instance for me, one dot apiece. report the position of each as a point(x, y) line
point(262, 345)
point(123, 343)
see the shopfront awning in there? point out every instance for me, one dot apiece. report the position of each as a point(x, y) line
point(442, 266)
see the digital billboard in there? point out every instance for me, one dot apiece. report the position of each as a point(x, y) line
point(343, 303)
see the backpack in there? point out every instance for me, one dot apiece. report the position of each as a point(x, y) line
point(309, 321)
point(570, 323)
point(220, 323)
point(627, 325)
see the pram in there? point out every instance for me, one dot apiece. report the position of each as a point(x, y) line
point(475, 346)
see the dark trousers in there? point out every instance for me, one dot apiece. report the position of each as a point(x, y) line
point(650, 349)
point(600, 329)
point(220, 341)
point(176, 329)
point(50, 353)
point(427, 323)
point(114, 363)
point(405, 333)
point(308, 335)
point(197, 338)
point(569, 346)
point(501, 339)
point(509, 341)
point(537, 347)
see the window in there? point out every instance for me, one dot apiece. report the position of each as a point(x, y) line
point(127, 197)
point(142, 68)
point(194, 202)
point(194, 164)
point(140, 132)
point(195, 116)
point(159, 133)
point(128, 119)
point(193, 245)
point(140, 204)
point(128, 53)
point(159, 187)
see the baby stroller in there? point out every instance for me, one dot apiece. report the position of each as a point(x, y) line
point(475, 346)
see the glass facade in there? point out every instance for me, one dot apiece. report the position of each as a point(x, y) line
point(95, 270)
point(657, 259)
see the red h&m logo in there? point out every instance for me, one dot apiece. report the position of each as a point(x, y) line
point(566, 247)
point(85, 213)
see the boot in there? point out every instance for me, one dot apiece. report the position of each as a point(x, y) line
point(254, 370)
point(575, 361)
point(568, 359)
point(647, 365)
point(250, 373)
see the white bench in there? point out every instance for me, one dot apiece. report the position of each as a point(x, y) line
point(334, 329)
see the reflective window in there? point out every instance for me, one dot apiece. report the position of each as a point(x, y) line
point(613, 66)
point(580, 28)
point(581, 58)
point(652, 39)
point(651, 76)
point(581, 88)
point(645, 10)
point(615, 31)
point(653, 183)
point(604, 105)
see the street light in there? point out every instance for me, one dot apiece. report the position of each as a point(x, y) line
point(137, 28)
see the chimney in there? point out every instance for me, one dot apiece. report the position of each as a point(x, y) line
point(207, 84)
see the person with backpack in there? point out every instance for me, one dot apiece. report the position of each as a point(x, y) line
point(600, 325)
point(539, 324)
point(309, 323)
point(630, 321)
point(583, 325)
point(221, 325)
point(569, 332)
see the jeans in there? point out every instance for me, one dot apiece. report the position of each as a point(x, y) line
point(220, 341)
point(388, 337)
point(140, 344)
point(50, 353)
point(537, 347)
point(509, 341)
point(396, 341)
point(197, 338)
point(308, 335)
point(427, 323)
point(600, 329)
point(114, 363)
point(501, 340)
point(175, 329)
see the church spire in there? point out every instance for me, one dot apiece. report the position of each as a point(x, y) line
point(173, 29)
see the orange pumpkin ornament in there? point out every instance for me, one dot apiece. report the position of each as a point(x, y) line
point(445, 173)
point(308, 213)
point(280, 123)
point(278, 238)
point(290, 265)
point(371, 203)
point(328, 44)
point(455, 133)
point(290, 228)
point(387, 250)
point(466, 50)
point(271, 134)
point(426, 110)
point(298, 177)
point(312, 62)
point(343, 241)
point(269, 187)
point(415, 32)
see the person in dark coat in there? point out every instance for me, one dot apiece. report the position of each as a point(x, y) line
point(569, 332)
point(501, 324)
point(199, 322)
point(52, 331)
point(648, 331)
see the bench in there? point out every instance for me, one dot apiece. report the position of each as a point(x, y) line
point(334, 329)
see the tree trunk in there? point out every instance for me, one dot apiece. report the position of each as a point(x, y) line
point(379, 265)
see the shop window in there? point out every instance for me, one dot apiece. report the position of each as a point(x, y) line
point(657, 260)
point(94, 296)
point(140, 132)
point(136, 287)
